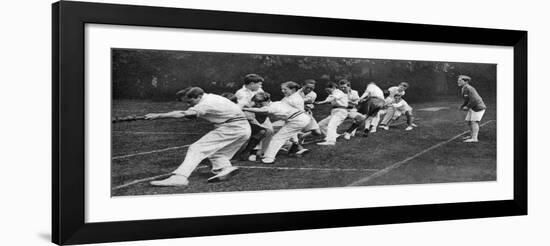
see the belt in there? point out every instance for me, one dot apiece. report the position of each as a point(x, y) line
point(234, 119)
point(295, 115)
point(342, 107)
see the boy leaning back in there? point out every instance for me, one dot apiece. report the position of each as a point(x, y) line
point(339, 112)
point(295, 121)
point(219, 145)
point(473, 103)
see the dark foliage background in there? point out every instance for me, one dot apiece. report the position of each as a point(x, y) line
point(158, 74)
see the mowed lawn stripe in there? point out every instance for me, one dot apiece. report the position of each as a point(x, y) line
point(254, 167)
point(399, 163)
point(150, 152)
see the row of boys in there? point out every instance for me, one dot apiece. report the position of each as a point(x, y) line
point(246, 121)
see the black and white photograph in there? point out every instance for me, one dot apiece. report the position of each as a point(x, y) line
point(200, 121)
point(166, 122)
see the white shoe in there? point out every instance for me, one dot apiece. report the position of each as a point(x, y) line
point(414, 125)
point(302, 151)
point(470, 141)
point(225, 174)
point(385, 127)
point(347, 136)
point(408, 128)
point(353, 133)
point(466, 137)
point(373, 129)
point(326, 143)
point(174, 180)
point(268, 161)
point(252, 158)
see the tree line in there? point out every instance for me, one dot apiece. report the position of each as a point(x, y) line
point(158, 74)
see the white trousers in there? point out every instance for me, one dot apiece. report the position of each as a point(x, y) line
point(329, 125)
point(373, 120)
point(218, 145)
point(289, 130)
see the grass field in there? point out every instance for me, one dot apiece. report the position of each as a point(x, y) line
point(431, 153)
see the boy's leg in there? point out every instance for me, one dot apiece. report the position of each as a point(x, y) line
point(323, 125)
point(211, 143)
point(287, 131)
point(337, 117)
point(221, 160)
point(473, 118)
point(254, 140)
point(375, 120)
point(269, 132)
point(410, 119)
point(387, 117)
point(206, 146)
point(474, 125)
point(359, 119)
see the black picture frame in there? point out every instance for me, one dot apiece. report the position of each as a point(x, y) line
point(68, 106)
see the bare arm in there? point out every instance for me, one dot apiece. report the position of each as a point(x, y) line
point(329, 99)
point(257, 110)
point(173, 114)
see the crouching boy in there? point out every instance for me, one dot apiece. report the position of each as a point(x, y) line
point(339, 112)
point(366, 110)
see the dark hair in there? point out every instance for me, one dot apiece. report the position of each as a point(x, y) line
point(344, 82)
point(309, 81)
point(465, 78)
point(189, 92)
point(252, 78)
point(332, 85)
point(261, 97)
point(291, 85)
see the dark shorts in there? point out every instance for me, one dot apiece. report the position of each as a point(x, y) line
point(371, 106)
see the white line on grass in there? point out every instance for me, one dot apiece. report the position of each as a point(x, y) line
point(142, 180)
point(150, 152)
point(310, 168)
point(254, 167)
point(433, 109)
point(398, 164)
point(172, 148)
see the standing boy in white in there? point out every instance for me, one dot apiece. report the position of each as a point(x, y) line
point(219, 145)
point(339, 112)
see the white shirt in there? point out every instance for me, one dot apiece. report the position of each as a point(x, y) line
point(353, 97)
point(216, 109)
point(244, 96)
point(338, 99)
point(280, 111)
point(373, 90)
point(309, 98)
point(394, 90)
point(295, 100)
